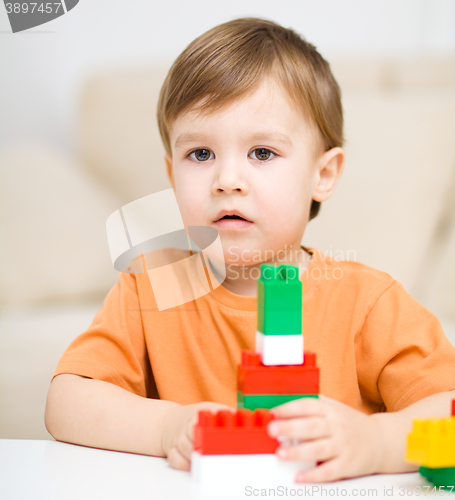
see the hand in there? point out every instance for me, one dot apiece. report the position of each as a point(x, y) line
point(177, 435)
point(346, 441)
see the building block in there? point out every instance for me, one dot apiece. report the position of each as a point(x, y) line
point(229, 433)
point(253, 377)
point(440, 477)
point(224, 471)
point(453, 408)
point(432, 443)
point(280, 349)
point(279, 300)
point(267, 401)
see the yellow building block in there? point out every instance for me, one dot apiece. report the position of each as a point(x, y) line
point(432, 442)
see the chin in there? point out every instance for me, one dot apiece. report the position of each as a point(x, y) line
point(238, 254)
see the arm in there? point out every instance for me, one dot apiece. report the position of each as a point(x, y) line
point(395, 426)
point(349, 443)
point(107, 405)
point(95, 413)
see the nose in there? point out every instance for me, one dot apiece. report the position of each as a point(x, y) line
point(230, 178)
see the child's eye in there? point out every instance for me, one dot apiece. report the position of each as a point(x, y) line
point(201, 155)
point(262, 154)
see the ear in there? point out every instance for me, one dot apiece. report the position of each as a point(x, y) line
point(170, 172)
point(329, 168)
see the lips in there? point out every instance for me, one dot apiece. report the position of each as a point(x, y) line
point(232, 221)
point(231, 215)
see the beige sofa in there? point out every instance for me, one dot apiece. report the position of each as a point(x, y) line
point(392, 209)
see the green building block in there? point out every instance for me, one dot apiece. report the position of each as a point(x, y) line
point(267, 401)
point(279, 300)
point(444, 477)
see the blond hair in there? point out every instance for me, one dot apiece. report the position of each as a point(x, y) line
point(231, 60)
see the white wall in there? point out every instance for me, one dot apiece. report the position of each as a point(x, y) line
point(41, 69)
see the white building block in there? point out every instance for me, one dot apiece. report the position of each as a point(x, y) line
point(280, 349)
point(212, 471)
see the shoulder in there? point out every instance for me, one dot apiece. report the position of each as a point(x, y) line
point(339, 274)
point(347, 284)
point(169, 277)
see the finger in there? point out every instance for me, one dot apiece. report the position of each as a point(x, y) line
point(300, 428)
point(177, 460)
point(190, 428)
point(309, 451)
point(185, 446)
point(302, 407)
point(327, 471)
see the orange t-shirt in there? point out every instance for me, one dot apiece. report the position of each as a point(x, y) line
point(376, 346)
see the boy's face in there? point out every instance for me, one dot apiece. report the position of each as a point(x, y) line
point(258, 158)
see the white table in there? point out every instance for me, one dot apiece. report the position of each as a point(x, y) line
point(52, 470)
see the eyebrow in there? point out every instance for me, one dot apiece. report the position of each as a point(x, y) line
point(257, 136)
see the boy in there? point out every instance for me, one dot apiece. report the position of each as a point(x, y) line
point(251, 120)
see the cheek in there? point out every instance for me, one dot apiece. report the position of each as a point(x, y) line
point(187, 209)
point(188, 181)
point(296, 187)
point(189, 201)
point(281, 196)
point(285, 201)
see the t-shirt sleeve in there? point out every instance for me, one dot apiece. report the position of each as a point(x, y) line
point(403, 354)
point(113, 348)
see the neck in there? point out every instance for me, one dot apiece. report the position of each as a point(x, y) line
point(242, 279)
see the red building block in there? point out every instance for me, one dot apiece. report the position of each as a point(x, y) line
point(453, 408)
point(255, 378)
point(229, 433)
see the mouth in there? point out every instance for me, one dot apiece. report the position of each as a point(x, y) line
point(233, 217)
point(232, 220)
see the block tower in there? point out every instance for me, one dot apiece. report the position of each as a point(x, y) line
point(431, 444)
point(279, 370)
point(237, 445)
